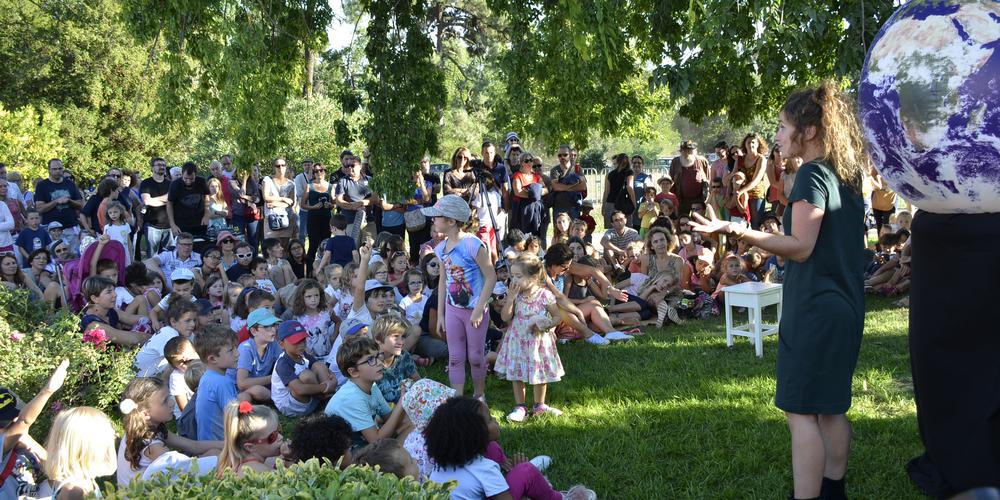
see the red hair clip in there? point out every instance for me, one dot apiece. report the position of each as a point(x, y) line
point(245, 407)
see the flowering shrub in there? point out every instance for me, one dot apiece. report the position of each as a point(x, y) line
point(33, 339)
point(309, 479)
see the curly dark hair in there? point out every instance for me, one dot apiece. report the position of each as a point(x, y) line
point(457, 433)
point(320, 436)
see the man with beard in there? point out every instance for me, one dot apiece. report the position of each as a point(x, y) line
point(690, 172)
point(187, 202)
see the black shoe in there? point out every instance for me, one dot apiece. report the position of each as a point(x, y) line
point(832, 489)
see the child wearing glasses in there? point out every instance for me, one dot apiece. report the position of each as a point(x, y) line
point(413, 303)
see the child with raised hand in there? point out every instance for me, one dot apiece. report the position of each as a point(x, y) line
point(461, 440)
point(182, 316)
point(257, 355)
point(147, 407)
point(466, 279)
point(80, 449)
point(252, 439)
point(179, 353)
point(299, 380)
point(359, 401)
point(309, 307)
point(528, 353)
point(17, 424)
point(389, 331)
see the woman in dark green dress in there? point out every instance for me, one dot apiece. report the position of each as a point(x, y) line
point(823, 296)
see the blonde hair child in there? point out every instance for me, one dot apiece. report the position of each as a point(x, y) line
point(528, 352)
point(252, 436)
point(147, 407)
point(80, 449)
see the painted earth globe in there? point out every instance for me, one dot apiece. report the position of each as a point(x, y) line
point(929, 101)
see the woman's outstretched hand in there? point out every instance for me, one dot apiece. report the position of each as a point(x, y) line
point(710, 225)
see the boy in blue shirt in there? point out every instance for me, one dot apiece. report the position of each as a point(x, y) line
point(216, 346)
point(360, 401)
point(32, 236)
point(257, 355)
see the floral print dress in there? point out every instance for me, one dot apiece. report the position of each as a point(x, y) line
point(527, 356)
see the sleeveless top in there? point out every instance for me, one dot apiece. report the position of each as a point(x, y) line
point(316, 196)
point(578, 292)
point(654, 272)
point(286, 190)
point(760, 190)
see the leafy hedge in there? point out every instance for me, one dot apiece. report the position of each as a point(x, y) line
point(310, 479)
point(34, 338)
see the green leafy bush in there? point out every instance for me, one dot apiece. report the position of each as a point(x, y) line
point(306, 480)
point(33, 339)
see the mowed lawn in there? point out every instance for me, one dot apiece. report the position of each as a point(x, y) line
point(677, 414)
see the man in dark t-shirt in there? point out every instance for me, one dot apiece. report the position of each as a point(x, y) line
point(187, 202)
point(154, 191)
point(59, 200)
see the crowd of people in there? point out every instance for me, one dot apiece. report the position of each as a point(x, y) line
point(305, 294)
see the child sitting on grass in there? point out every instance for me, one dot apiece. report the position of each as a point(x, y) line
point(461, 440)
point(80, 449)
point(360, 401)
point(390, 457)
point(101, 313)
point(182, 316)
point(146, 407)
point(389, 331)
point(253, 439)
point(257, 356)
point(179, 353)
point(299, 380)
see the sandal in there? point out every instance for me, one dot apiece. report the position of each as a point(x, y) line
point(635, 331)
point(422, 361)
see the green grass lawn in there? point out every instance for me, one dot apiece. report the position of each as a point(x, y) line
point(676, 414)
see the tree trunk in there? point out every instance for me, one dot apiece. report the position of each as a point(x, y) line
point(307, 85)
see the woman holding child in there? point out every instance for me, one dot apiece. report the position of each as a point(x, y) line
point(820, 331)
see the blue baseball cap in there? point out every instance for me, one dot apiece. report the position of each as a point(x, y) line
point(262, 316)
point(292, 331)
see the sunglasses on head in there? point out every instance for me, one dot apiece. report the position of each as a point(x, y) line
point(270, 439)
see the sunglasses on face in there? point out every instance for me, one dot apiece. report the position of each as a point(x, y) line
point(227, 240)
point(432, 264)
point(270, 439)
point(322, 169)
point(244, 255)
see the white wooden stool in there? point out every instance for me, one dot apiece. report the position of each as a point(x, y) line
point(755, 297)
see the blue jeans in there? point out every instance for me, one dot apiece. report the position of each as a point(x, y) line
point(250, 229)
point(157, 240)
point(303, 217)
point(756, 212)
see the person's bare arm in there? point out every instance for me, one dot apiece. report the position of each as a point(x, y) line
point(29, 413)
point(244, 381)
point(758, 176)
point(798, 246)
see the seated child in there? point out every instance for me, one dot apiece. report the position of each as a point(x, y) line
point(216, 346)
point(388, 332)
point(352, 328)
point(419, 403)
point(182, 316)
point(182, 283)
point(179, 353)
point(187, 423)
point(257, 355)
point(80, 449)
point(360, 401)
point(17, 443)
point(513, 243)
point(146, 407)
point(732, 274)
point(262, 278)
point(413, 302)
point(253, 439)
point(252, 299)
point(321, 436)
point(390, 457)
point(340, 248)
point(101, 313)
point(461, 440)
point(299, 380)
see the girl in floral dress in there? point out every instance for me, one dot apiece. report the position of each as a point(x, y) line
point(528, 352)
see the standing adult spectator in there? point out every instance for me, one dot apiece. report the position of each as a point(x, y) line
point(301, 181)
point(8, 224)
point(460, 179)
point(352, 196)
point(493, 164)
point(15, 207)
point(318, 200)
point(279, 203)
point(690, 172)
point(187, 202)
point(823, 244)
point(13, 189)
point(528, 207)
point(156, 224)
point(753, 164)
point(618, 191)
point(247, 204)
point(719, 167)
point(423, 196)
point(640, 181)
point(432, 178)
point(59, 200)
point(568, 185)
point(883, 202)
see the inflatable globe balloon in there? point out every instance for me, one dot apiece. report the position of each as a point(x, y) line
point(929, 101)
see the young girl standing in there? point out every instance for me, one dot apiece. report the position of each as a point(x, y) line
point(528, 353)
point(147, 408)
point(466, 273)
point(252, 436)
point(118, 228)
point(309, 308)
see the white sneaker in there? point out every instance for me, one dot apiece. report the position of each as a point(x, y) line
point(598, 340)
point(541, 462)
point(616, 335)
point(579, 492)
